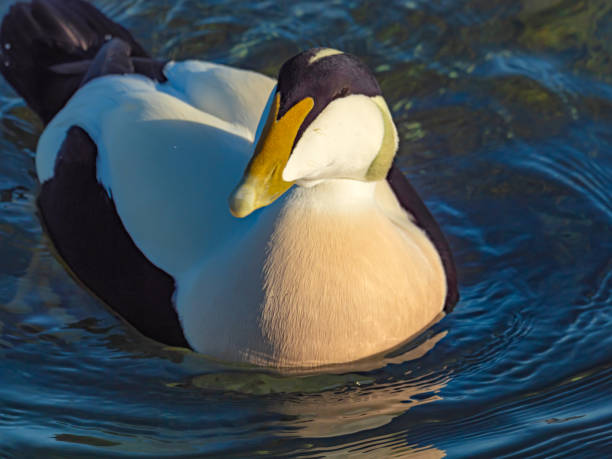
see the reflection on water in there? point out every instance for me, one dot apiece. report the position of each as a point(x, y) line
point(329, 414)
point(504, 110)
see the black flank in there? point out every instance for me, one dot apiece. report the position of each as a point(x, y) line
point(82, 221)
point(49, 49)
point(412, 202)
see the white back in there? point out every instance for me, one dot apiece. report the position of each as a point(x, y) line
point(234, 95)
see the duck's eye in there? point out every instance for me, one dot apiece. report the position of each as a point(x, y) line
point(343, 92)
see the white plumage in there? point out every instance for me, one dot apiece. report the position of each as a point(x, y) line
point(304, 281)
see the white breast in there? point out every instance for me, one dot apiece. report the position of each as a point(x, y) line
point(345, 284)
point(341, 281)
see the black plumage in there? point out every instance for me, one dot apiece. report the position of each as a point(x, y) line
point(83, 223)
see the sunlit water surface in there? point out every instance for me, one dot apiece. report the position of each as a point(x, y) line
point(505, 115)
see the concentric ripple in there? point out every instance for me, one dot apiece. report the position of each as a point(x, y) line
point(504, 111)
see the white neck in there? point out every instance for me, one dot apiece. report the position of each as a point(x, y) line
point(334, 195)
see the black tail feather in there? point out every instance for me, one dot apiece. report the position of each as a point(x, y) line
point(43, 45)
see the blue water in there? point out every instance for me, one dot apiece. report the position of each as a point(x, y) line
point(504, 109)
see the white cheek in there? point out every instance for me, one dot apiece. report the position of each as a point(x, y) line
point(341, 142)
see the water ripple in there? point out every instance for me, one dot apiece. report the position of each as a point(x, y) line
point(504, 111)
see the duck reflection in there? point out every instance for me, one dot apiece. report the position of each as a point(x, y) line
point(337, 403)
point(357, 408)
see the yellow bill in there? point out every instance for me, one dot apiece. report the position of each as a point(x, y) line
point(262, 182)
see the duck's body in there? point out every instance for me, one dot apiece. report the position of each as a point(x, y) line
point(314, 284)
point(337, 269)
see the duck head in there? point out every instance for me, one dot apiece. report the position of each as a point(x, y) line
point(326, 119)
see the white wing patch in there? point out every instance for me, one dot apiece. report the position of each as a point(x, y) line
point(168, 165)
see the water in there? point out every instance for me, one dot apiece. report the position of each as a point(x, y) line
point(505, 114)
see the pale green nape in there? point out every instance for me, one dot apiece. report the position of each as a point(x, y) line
point(324, 52)
point(382, 163)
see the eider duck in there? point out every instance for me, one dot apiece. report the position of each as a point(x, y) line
point(324, 253)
